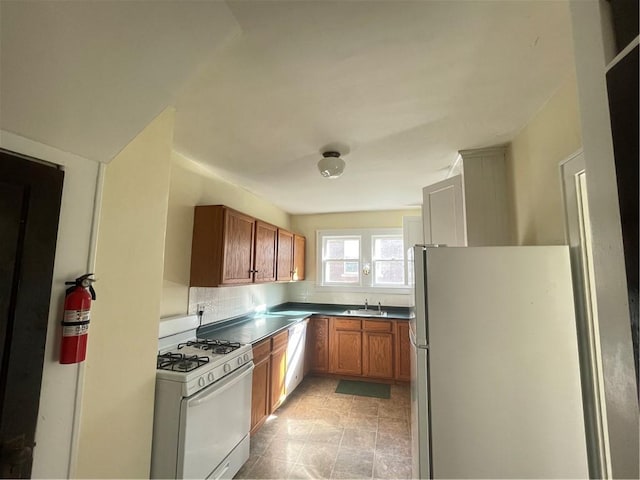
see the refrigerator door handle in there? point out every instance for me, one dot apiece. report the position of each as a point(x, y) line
point(412, 339)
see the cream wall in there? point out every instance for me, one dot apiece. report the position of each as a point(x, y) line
point(551, 136)
point(307, 225)
point(193, 184)
point(117, 405)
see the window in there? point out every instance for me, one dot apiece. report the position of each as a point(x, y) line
point(361, 258)
point(341, 260)
point(388, 260)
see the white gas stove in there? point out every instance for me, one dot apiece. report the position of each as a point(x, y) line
point(203, 403)
point(198, 363)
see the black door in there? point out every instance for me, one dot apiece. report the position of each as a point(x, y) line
point(623, 88)
point(30, 193)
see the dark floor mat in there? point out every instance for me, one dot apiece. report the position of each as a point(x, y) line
point(364, 389)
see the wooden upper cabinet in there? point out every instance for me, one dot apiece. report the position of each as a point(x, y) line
point(265, 252)
point(222, 247)
point(239, 230)
point(285, 255)
point(231, 248)
point(299, 243)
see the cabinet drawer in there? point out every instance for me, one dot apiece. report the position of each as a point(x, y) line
point(280, 340)
point(347, 324)
point(261, 350)
point(378, 325)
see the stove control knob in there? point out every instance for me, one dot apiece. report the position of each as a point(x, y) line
point(239, 361)
point(227, 367)
point(246, 357)
point(201, 381)
point(210, 377)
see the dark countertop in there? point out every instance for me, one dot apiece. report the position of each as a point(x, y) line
point(256, 327)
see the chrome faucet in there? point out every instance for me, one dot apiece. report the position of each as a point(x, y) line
point(366, 304)
point(379, 307)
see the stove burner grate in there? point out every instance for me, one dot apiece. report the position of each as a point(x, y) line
point(220, 347)
point(179, 362)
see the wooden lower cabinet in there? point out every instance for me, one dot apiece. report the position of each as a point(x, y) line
point(278, 369)
point(317, 347)
point(260, 396)
point(377, 355)
point(268, 386)
point(368, 348)
point(357, 347)
point(403, 352)
point(346, 352)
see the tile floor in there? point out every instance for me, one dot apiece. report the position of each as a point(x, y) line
point(318, 433)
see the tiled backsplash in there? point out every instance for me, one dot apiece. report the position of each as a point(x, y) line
point(307, 292)
point(222, 303)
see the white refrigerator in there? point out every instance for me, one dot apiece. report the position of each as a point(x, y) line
point(495, 387)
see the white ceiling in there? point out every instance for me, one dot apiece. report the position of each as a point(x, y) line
point(261, 88)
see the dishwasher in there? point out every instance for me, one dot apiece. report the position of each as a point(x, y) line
point(295, 355)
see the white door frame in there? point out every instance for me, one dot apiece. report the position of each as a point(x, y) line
point(578, 237)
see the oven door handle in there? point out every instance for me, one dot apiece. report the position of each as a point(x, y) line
point(224, 384)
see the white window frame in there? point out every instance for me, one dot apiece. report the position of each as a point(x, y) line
point(366, 284)
point(402, 260)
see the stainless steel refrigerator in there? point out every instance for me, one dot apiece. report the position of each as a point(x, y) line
point(495, 381)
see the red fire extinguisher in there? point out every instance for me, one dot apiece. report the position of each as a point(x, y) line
point(75, 323)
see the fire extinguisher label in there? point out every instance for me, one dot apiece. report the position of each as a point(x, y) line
point(76, 316)
point(75, 331)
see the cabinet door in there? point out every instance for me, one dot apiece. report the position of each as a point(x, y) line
point(278, 377)
point(260, 393)
point(485, 197)
point(443, 213)
point(345, 352)
point(378, 348)
point(265, 252)
point(285, 255)
point(299, 243)
point(403, 352)
point(207, 247)
point(377, 354)
point(317, 351)
point(238, 248)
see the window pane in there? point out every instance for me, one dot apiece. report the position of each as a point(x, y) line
point(341, 272)
point(389, 272)
point(388, 248)
point(342, 248)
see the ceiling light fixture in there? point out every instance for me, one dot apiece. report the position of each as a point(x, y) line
point(331, 165)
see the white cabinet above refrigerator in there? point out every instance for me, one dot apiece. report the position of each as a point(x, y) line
point(470, 208)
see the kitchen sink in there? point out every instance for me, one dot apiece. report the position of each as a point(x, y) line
point(365, 312)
